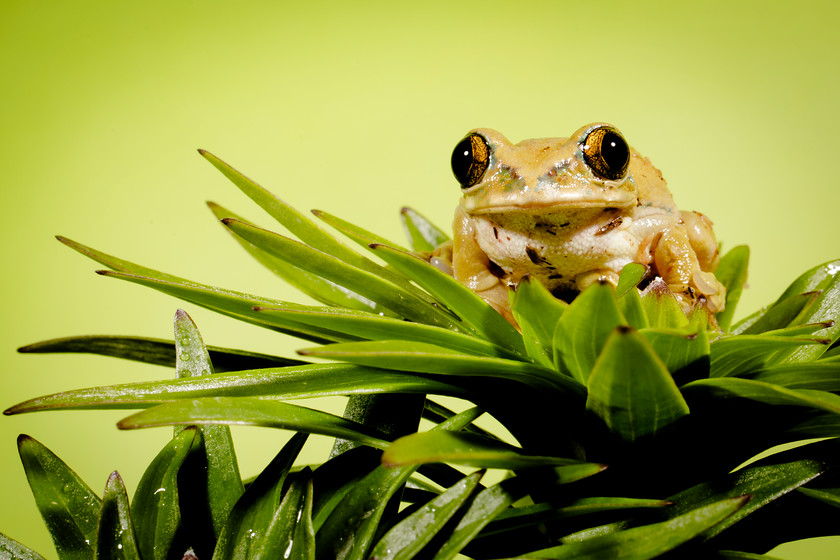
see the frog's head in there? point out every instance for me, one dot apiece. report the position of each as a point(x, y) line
point(587, 170)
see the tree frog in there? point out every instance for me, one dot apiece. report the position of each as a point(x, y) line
point(570, 212)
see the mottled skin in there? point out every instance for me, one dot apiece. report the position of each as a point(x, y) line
point(540, 210)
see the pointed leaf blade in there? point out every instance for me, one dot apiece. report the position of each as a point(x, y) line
point(464, 449)
point(312, 285)
point(115, 535)
point(311, 380)
point(635, 401)
point(732, 273)
point(767, 393)
point(578, 339)
point(648, 541)
point(245, 530)
point(249, 411)
point(424, 235)
point(69, 507)
point(154, 351)
point(348, 532)
point(427, 358)
point(409, 536)
point(217, 481)
point(465, 303)
point(537, 313)
point(10, 548)
point(155, 508)
point(398, 299)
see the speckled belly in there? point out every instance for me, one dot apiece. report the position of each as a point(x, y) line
point(556, 248)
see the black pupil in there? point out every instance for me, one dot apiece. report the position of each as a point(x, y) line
point(462, 160)
point(614, 151)
point(470, 159)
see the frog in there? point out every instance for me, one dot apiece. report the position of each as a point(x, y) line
point(570, 212)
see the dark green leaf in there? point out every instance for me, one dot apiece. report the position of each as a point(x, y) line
point(155, 351)
point(542, 512)
point(461, 300)
point(349, 531)
point(155, 508)
point(358, 234)
point(251, 411)
point(825, 309)
point(578, 339)
point(69, 507)
point(428, 358)
point(312, 380)
point(245, 530)
point(648, 541)
point(291, 535)
point(777, 316)
point(765, 481)
point(405, 302)
point(296, 222)
point(732, 273)
point(423, 234)
point(10, 548)
point(314, 286)
point(233, 304)
point(218, 470)
point(822, 375)
point(768, 393)
point(816, 278)
point(463, 449)
point(828, 496)
point(680, 349)
point(631, 390)
point(376, 327)
point(488, 504)
point(408, 537)
point(537, 312)
point(115, 535)
point(740, 354)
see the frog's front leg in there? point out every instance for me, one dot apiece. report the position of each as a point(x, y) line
point(472, 267)
point(677, 263)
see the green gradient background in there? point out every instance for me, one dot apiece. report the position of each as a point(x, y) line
point(354, 108)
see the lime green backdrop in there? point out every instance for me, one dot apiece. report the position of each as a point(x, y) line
point(354, 107)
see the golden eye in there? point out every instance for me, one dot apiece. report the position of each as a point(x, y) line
point(470, 160)
point(606, 153)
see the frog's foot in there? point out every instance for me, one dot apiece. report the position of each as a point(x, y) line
point(705, 284)
point(441, 257)
point(597, 276)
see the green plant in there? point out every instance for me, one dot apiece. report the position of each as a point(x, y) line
point(631, 422)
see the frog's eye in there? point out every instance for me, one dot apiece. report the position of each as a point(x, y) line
point(606, 153)
point(470, 159)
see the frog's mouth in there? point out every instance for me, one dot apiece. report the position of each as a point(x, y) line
point(550, 199)
point(551, 207)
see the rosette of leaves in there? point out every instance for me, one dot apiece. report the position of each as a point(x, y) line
point(629, 426)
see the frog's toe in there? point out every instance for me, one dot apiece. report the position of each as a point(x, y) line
point(586, 279)
point(706, 284)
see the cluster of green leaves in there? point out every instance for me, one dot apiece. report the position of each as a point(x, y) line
point(631, 421)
